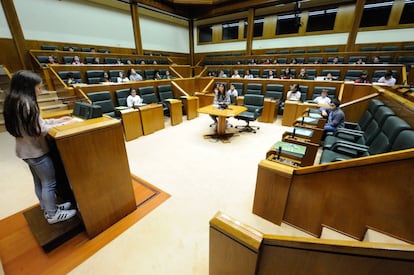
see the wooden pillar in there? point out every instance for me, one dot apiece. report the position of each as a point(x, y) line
point(135, 26)
point(249, 38)
point(359, 9)
point(17, 33)
point(191, 34)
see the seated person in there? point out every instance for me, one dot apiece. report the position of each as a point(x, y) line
point(286, 74)
point(157, 75)
point(106, 77)
point(363, 78)
point(222, 74)
point(336, 117)
point(329, 76)
point(235, 74)
point(76, 60)
point(133, 75)
point(122, 78)
point(70, 79)
point(302, 74)
point(96, 60)
point(221, 97)
point(233, 93)
point(294, 92)
point(133, 99)
point(387, 79)
point(270, 75)
point(323, 98)
point(51, 60)
point(248, 74)
point(359, 61)
point(167, 75)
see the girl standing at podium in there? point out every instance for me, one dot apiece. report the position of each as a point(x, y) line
point(23, 121)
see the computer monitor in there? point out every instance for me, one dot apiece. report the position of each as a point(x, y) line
point(86, 111)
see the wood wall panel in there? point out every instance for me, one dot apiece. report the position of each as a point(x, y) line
point(9, 56)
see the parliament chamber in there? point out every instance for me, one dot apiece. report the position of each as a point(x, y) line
point(303, 206)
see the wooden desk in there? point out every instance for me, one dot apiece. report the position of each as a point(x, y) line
point(295, 109)
point(232, 110)
point(95, 161)
point(270, 110)
point(190, 106)
point(131, 122)
point(176, 111)
point(152, 118)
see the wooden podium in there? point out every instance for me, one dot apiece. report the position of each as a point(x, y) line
point(95, 161)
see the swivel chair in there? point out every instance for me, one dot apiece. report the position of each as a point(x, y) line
point(254, 104)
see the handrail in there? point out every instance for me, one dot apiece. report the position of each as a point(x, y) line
point(361, 99)
point(181, 90)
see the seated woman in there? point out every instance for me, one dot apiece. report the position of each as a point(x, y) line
point(122, 78)
point(302, 74)
point(286, 74)
point(221, 97)
point(105, 77)
point(133, 99)
point(294, 92)
point(248, 74)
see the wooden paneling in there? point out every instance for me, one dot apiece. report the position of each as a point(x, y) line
point(237, 248)
point(272, 189)
point(9, 59)
point(152, 117)
point(347, 196)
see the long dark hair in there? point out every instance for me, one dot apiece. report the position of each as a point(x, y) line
point(21, 111)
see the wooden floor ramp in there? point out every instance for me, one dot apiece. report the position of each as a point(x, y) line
point(50, 236)
point(20, 252)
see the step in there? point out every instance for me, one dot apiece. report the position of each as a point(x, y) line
point(54, 108)
point(50, 236)
point(370, 236)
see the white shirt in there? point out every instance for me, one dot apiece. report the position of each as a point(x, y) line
point(135, 77)
point(133, 100)
point(293, 96)
point(232, 92)
point(235, 76)
point(389, 82)
point(322, 100)
point(120, 80)
point(248, 76)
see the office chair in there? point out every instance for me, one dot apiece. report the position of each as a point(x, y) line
point(254, 104)
point(103, 99)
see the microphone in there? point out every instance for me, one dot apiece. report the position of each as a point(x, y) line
point(294, 132)
point(279, 152)
point(303, 119)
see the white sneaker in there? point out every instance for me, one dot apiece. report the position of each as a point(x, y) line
point(60, 216)
point(64, 206)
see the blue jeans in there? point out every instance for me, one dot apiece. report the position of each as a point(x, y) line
point(43, 173)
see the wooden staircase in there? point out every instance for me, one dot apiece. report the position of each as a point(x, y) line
point(48, 101)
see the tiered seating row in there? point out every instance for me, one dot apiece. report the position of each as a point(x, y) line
point(62, 57)
point(338, 71)
point(396, 57)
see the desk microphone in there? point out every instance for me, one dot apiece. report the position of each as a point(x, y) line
point(303, 119)
point(279, 152)
point(293, 132)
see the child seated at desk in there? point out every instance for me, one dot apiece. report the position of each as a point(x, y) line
point(133, 99)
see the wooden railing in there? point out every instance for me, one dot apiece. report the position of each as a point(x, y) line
point(236, 248)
